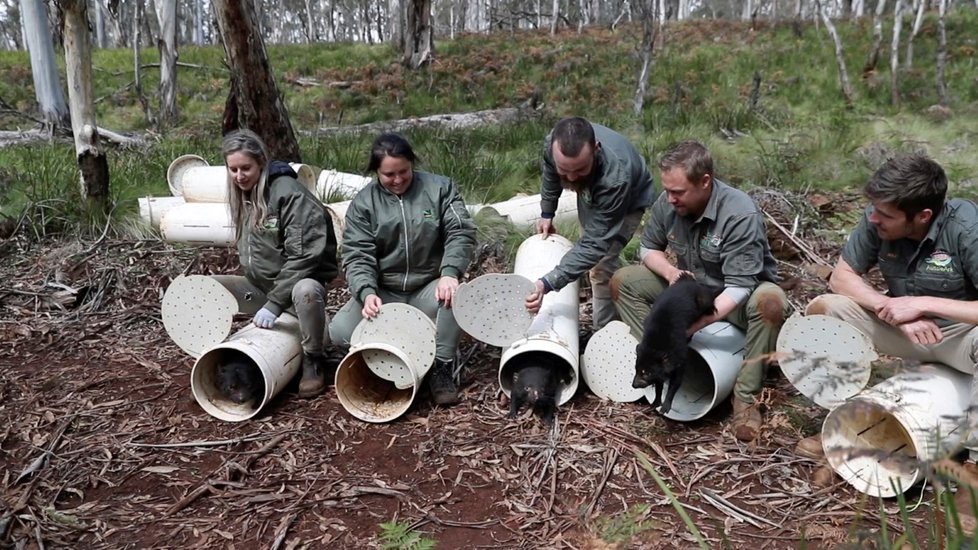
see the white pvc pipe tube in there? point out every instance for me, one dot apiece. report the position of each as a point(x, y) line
point(198, 223)
point(525, 211)
point(151, 209)
point(338, 186)
point(176, 169)
point(205, 184)
point(210, 183)
point(337, 216)
point(276, 352)
point(717, 353)
point(555, 328)
point(370, 397)
point(878, 439)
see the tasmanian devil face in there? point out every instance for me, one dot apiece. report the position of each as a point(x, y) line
point(240, 382)
point(651, 366)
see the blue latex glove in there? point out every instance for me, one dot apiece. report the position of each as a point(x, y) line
point(264, 318)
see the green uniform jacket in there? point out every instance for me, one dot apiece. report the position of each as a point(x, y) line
point(944, 264)
point(621, 185)
point(296, 241)
point(726, 246)
point(404, 242)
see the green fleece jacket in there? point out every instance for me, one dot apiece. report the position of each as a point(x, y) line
point(620, 183)
point(296, 241)
point(402, 243)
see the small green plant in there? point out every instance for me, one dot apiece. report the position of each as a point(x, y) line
point(398, 535)
point(621, 529)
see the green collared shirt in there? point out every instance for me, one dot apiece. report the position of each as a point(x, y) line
point(725, 247)
point(944, 264)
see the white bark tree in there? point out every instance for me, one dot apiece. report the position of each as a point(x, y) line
point(895, 53)
point(840, 57)
point(44, 68)
point(874, 50)
point(941, 53)
point(920, 5)
point(649, 13)
point(554, 17)
point(92, 163)
point(166, 15)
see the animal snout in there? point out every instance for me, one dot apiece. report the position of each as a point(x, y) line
point(641, 380)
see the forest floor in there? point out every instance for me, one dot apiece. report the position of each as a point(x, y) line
point(103, 446)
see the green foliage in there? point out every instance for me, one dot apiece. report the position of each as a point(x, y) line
point(621, 529)
point(398, 535)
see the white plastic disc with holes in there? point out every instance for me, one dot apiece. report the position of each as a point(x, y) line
point(174, 172)
point(608, 367)
point(826, 359)
point(405, 327)
point(197, 313)
point(492, 308)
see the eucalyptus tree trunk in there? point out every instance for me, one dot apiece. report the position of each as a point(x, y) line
point(138, 63)
point(100, 39)
point(310, 22)
point(555, 16)
point(840, 57)
point(166, 14)
point(895, 53)
point(198, 22)
point(874, 50)
point(92, 163)
point(918, 21)
point(648, 11)
point(253, 101)
point(941, 52)
point(44, 67)
point(418, 44)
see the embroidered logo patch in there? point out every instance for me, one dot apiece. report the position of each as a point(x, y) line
point(939, 261)
point(711, 241)
point(427, 215)
point(271, 224)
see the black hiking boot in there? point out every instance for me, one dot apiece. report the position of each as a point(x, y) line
point(441, 384)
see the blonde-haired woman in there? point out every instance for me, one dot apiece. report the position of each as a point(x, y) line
point(286, 247)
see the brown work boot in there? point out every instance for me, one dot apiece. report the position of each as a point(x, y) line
point(747, 420)
point(314, 375)
point(811, 447)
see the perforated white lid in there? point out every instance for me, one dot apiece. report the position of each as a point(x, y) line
point(608, 367)
point(404, 327)
point(197, 313)
point(174, 172)
point(826, 359)
point(492, 308)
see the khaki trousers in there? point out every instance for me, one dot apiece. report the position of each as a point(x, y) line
point(447, 331)
point(308, 305)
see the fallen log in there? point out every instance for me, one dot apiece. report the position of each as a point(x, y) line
point(449, 121)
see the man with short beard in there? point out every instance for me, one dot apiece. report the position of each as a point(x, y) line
point(614, 188)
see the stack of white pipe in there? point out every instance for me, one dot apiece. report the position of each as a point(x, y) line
point(198, 213)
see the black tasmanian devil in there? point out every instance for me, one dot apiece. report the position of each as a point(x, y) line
point(662, 354)
point(536, 378)
point(239, 379)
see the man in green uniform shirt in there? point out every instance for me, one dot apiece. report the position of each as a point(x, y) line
point(614, 187)
point(717, 233)
point(926, 248)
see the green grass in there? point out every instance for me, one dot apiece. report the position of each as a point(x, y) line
point(798, 136)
